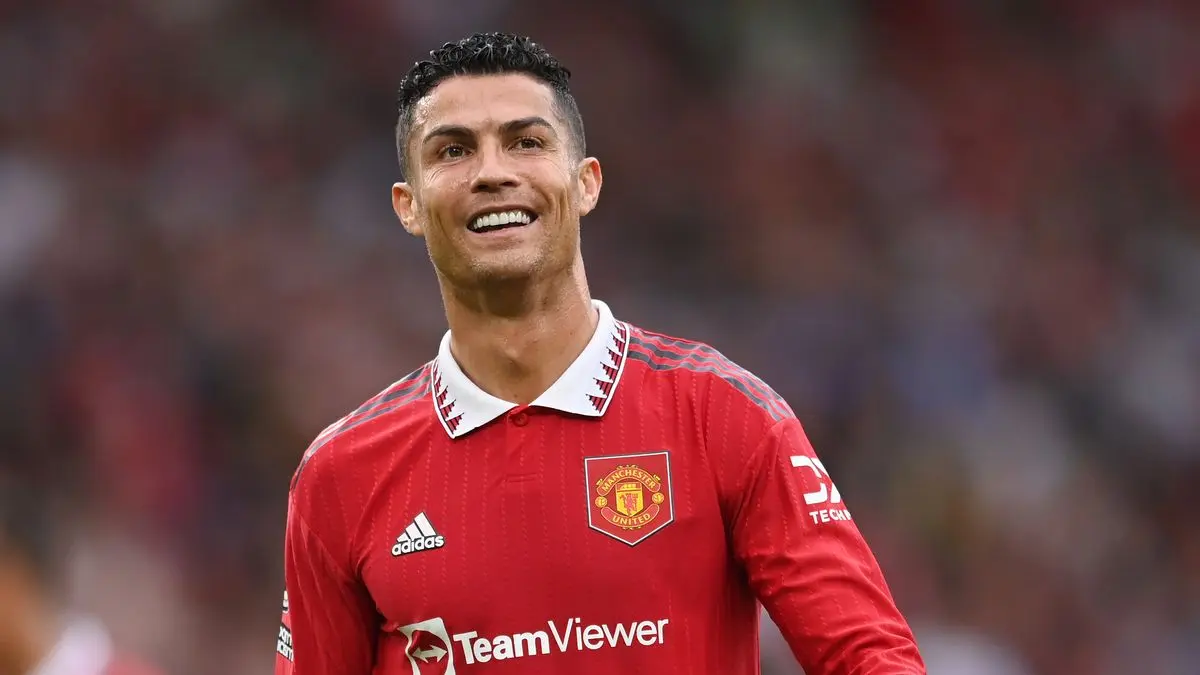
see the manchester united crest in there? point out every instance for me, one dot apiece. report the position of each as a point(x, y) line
point(629, 496)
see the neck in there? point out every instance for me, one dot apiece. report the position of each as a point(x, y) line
point(515, 341)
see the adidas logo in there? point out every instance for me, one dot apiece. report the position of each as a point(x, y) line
point(418, 536)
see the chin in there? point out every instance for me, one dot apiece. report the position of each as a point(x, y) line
point(504, 274)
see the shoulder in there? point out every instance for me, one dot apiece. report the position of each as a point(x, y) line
point(726, 385)
point(392, 405)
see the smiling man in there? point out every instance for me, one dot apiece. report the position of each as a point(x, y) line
point(559, 491)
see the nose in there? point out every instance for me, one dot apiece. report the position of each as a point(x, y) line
point(494, 170)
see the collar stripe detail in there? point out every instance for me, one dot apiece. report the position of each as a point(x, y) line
point(586, 388)
point(665, 353)
point(617, 351)
point(443, 404)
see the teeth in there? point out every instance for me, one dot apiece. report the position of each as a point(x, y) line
point(491, 220)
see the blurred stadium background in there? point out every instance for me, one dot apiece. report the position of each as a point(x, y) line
point(961, 237)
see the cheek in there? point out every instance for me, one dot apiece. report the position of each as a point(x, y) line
point(560, 186)
point(569, 194)
point(438, 203)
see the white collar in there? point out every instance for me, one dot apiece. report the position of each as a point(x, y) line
point(84, 649)
point(586, 388)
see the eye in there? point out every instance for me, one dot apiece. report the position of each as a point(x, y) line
point(529, 143)
point(452, 152)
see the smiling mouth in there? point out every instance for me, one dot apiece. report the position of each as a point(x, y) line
point(491, 222)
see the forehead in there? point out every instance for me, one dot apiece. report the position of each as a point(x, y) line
point(481, 101)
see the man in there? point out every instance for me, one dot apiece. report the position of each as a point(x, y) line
point(559, 491)
point(37, 635)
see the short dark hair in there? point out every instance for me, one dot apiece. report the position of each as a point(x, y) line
point(487, 54)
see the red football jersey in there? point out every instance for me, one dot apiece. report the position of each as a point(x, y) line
point(630, 520)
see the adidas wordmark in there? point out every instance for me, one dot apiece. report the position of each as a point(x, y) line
point(418, 536)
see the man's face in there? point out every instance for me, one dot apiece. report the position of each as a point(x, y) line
point(496, 189)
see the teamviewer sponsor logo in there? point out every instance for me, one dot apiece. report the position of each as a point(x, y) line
point(418, 536)
point(429, 651)
point(558, 637)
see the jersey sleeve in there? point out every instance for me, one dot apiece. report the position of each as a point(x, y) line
point(329, 623)
point(811, 568)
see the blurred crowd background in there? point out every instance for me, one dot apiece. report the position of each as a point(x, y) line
point(961, 237)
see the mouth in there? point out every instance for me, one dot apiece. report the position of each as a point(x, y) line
point(494, 221)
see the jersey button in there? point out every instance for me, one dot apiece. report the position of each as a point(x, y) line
point(520, 419)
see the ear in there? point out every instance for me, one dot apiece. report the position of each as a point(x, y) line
point(590, 179)
point(404, 204)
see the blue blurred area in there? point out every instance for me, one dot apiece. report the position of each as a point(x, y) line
point(962, 238)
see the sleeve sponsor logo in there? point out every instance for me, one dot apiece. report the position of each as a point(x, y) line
point(826, 497)
point(283, 644)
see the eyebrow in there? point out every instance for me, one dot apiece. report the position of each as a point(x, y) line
point(508, 128)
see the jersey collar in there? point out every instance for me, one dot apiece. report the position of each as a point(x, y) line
point(586, 388)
